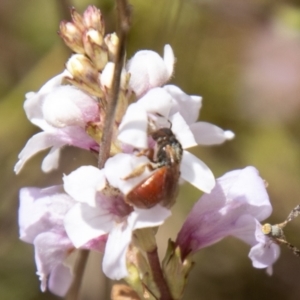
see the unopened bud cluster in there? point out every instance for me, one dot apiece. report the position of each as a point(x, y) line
point(94, 52)
point(85, 35)
point(91, 67)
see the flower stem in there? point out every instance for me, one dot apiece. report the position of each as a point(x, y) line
point(124, 14)
point(158, 276)
point(123, 18)
point(73, 293)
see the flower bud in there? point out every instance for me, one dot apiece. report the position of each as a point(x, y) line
point(81, 67)
point(175, 270)
point(112, 42)
point(72, 36)
point(77, 20)
point(95, 37)
point(84, 73)
point(95, 48)
point(69, 106)
point(106, 77)
point(92, 18)
point(148, 70)
point(139, 274)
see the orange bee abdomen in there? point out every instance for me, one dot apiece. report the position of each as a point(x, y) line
point(150, 191)
point(160, 186)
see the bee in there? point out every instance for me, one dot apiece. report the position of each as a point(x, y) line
point(162, 185)
point(275, 232)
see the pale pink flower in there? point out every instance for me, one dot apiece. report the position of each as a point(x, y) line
point(41, 216)
point(41, 223)
point(148, 70)
point(97, 214)
point(236, 206)
point(62, 112)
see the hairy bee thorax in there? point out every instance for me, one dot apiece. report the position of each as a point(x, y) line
point(168, 150)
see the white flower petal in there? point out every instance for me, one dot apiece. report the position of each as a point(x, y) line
point(54, 82)
point(84, 183)
point(51, 249)
point(264, 255)
point(245, 180)
point(42, 210)
point(106, 77)
point(133, 128)
point(245, 229)
point(182, 131)
point(29, 214)
point(69, 106)
point(188, 106)
point(196, 172)
point(143, 218)
point(35, 144)
point(148, 70)
point(209, 134)
point(84, 223)
point(157, 101)
point(169, 59)
point(33, 110)
point(269, 270)
point(60, 280)
point(229, 135)
point(120, 166)
point(265, 252)
point(33, 101)
point(75, 136)
point(114, 260)
point(71, 135)
point(51, 160)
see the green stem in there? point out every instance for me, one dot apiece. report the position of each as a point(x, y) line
point(158, 276)
point(123, 24)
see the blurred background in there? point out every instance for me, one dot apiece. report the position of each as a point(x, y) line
point(243, 57)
